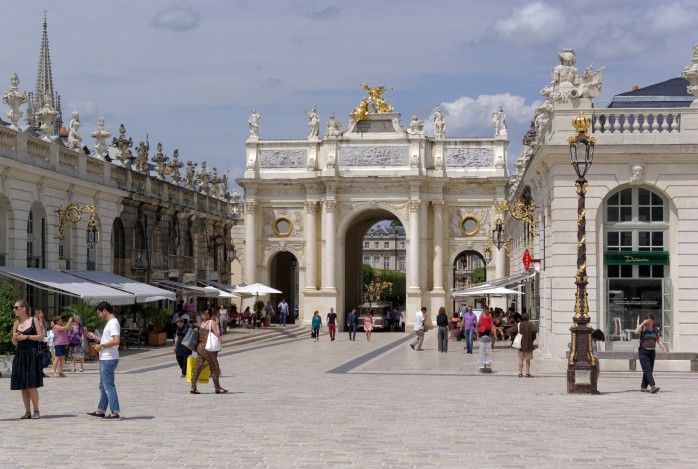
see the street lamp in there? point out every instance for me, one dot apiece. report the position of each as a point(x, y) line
point(498, 234)
point(582, 376)
point(488, 255)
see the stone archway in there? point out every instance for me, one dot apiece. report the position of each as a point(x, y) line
point(283, 275)
point(352, 229)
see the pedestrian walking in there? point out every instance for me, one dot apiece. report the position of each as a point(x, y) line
point(108, 349)
point(181, 352)
point(442, 333)
point(528, 335)
point(282, 308)
point(61, 342)
point(484, 328)
point(316, 323)
point(76, 339)
point(419, 319)
point(368, 324)
point(351, 324)
point(596, 337)
point(27, 373)
point(208, 326)
point(332, 324)
point(650, 337)
point(469, 322)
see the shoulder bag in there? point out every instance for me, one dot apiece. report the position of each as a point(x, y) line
point(517, 340)
point(191, 339)
point(213, 343)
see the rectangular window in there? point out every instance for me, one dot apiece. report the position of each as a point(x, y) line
point(375, 244)
point(367, 260)
point(366, 244)
point(402, 264)
point(402, 245)
point(386, 245)
point(386, 263)
point(376, 262)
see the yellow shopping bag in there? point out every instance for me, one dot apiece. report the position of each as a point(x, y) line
point(205, 371)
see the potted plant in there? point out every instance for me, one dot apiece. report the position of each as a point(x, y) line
point(155, 319)
point(259, 310)
point(8, 296)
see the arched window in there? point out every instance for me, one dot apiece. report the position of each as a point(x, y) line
point(636, 258)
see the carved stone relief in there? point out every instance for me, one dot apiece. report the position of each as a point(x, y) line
point(373, 156)
point(393, 207)
point(282, 159)
point(269, 215)
point(456, 214)
point(295, 247)
point(469, 157)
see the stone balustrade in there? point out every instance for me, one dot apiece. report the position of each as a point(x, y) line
point(35, 152)
point(636, 121)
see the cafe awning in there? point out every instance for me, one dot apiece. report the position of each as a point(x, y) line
point(61, 282)
point(482, 288)
point(144, 292)
point(186, 289)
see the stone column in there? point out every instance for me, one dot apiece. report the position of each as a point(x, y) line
point(329, 255)
point(311, 245)
point(413, 268)
point(500, 262)
point(250, 243)
point(438, 245)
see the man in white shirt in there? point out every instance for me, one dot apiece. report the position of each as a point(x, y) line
point(223, 311)
point(282, 308)
point(419, 319)
point(108, 349)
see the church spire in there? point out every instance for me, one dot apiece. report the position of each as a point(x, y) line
point(44, 92)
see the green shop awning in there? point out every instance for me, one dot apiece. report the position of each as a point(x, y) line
point(636, 257)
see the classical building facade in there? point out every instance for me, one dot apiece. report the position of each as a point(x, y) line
point(384, 248)
point(309, 203)
point(64, 206)
point(641, 224)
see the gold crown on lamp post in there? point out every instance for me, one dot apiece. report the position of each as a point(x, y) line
point(581, 124)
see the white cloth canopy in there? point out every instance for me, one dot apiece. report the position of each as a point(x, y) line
point(185, 287)
point(220, 293)
point(488, 291)
point(66, 284)
point(256, 289)
point(144, 292)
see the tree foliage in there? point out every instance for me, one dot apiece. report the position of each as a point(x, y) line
point(478, 275)
point(8, 296)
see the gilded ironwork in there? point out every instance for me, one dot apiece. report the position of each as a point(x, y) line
point(374, 97)
point(72, 214)
point(520, 210)
point(373, 291)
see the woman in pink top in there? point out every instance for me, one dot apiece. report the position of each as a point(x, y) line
point(368, 324)
point(60, 344)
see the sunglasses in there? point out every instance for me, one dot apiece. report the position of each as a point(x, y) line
point(17, 307)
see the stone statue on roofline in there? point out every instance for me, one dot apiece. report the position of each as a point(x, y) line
point(175, 167)
point(142, 156)
point(74, 137)
point(334, 128)
point(191, 176)
point(416, 127)
point(313, 123)
point(253, 122)
point(439, 123)
point(567, 84)
point(160, 160)
point(100, 135)
point(690, 74)
point(499, 122)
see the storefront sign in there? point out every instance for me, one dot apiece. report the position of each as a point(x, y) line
point(526, 260)
point(636, 257)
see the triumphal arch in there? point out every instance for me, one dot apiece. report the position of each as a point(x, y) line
point(309, 202)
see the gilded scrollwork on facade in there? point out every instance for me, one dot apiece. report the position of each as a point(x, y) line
point(271, 248)
point(458, 215)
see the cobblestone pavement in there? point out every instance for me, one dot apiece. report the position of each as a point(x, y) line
point(297, 403)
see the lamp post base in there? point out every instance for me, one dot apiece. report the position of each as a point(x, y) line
point(582, 375)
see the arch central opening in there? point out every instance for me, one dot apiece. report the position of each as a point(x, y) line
point(375, 258)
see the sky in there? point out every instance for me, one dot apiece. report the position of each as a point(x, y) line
point(187, 74)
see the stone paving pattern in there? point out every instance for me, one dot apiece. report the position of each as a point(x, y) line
point(297, 403)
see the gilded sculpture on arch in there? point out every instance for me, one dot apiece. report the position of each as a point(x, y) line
point(374, 98)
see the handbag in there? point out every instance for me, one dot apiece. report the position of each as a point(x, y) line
point(191, 339)
point(517, 340)
point(44, 355)
point(213, 343)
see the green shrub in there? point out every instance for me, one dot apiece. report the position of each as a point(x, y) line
point(8, 296)
point(87, 314)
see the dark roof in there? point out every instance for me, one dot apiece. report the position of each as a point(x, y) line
point(669, 93)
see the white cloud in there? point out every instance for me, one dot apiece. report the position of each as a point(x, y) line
point(668, 19)
point(473, 117)
point(535, 22)
point(177, 19)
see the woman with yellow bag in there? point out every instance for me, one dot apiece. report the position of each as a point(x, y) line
point(209, 342)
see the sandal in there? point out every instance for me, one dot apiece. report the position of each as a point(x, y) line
point(28, 415)
point(520, 375)
point(528, 375)
point(221, 391)
point(194, 391)
point(36, 415)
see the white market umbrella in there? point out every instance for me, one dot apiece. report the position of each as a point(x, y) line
point(488, 291)
point(221, 293)
point(256, 289)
